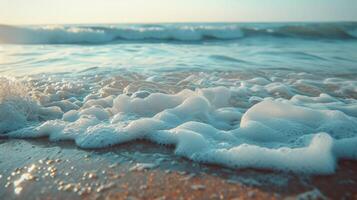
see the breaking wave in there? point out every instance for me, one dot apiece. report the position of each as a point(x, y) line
point(172, 33)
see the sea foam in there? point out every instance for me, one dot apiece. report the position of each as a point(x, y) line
point(230, 126)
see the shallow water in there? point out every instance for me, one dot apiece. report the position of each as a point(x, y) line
point(276, 96)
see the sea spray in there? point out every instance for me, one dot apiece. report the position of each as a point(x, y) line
point(18, 108)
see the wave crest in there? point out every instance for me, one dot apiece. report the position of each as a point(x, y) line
point(171, 33)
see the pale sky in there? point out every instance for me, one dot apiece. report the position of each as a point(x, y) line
point(144, 11)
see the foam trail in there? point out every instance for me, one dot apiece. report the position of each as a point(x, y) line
point(272, 134)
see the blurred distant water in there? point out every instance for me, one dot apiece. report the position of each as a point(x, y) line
point(329, 47)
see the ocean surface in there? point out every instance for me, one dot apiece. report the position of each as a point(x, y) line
point(279, 96)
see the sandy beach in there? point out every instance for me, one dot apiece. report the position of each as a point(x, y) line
point(38, 169)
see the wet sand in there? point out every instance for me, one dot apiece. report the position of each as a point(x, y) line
point(38, 169)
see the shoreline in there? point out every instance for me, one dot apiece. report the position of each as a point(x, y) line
point(39, 169)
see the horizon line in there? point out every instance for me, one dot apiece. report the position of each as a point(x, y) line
point(184, 22)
